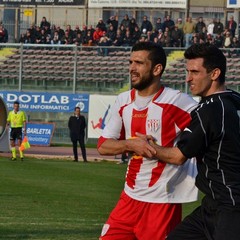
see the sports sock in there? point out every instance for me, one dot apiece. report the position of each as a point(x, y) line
point(21, 153)
point(13, 149)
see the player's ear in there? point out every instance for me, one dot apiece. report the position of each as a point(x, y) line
point(215, 74)
point(157, 69)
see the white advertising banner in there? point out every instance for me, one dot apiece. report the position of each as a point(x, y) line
point(233, 3)
point(99, 114)
point(138, 3)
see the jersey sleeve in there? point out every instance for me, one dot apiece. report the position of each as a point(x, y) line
point(193, 140)
point(114, 127)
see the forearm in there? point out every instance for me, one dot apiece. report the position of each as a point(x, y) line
point(136, 146)
point(112, 147)
point(170, 155)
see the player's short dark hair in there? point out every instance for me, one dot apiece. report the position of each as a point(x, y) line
point(16, 102)
point(212, 56)
point(156, 53)
point(76, 108)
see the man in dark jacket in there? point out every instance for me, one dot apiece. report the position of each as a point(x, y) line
point(77, 125)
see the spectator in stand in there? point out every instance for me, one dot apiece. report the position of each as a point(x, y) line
point(235, 43)
point(22, 38)
point(227, 42)
point(98, 33)
point(168, 23)
point(114, 22)
point(44, 23)
point(179, 24)
point(76, 31)
point(67, 38)
point(70, 32)
point(231, 26)
point(48, 39)
point(127, 40)
point(209, 40)
point(88, 40)
point(132, 25)
point(101, 25)
point(218, 27)
point(84, 31)
point(188, 30)
point(125, 22)
point(150, 36)
point(32, 29)
point(60, 31)
point(199, 26)
point(78, 40)
point(29, 38)
point(210, 28)
point(123, 30)
point(37, 32)
point(47, 30)
point(166, 40)
point(177, 36)
point(136, 35)
point(56, 39)
point(146, 24)
point(203, 35)
point(143, 36)
point(103, 44)
point(159, 36)
point(111, 33)
point(91, 29)
point(119, 39)
point(3, 34)
point(218, 41)
point(167, 30)
point(42, 38)
point(53, 29)
point(158, 24)
point(195, 39)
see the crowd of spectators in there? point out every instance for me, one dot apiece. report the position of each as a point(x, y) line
point(167, 32)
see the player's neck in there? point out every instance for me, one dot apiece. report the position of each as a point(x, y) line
point(151, 90)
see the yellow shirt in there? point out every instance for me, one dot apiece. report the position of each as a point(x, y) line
point(16, 119)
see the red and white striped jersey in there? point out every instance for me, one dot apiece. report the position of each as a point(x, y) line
point(164, 117)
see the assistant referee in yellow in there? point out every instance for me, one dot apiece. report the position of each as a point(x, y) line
point(17, 121)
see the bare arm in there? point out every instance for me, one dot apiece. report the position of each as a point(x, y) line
point(171, 155)
point(137, 146)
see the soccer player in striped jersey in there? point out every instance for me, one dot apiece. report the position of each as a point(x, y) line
point(213, 136)
point(150, 204)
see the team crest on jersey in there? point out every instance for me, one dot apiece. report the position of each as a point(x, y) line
point(153, 124)
point(105, 229)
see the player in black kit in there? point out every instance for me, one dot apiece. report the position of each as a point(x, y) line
point(213, 137)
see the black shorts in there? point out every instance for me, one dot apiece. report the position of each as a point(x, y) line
point(16, 133)
point(209, 222)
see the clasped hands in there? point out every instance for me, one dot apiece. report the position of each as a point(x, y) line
point(142, 145)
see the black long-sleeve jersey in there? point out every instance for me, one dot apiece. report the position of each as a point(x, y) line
point(214, 138)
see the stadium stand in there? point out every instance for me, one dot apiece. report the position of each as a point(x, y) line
point(57, 68)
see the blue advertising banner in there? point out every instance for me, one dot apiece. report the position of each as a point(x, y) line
point(233, 3)
point(39, 133)
point(46, 102)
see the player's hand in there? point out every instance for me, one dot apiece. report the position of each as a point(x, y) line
point(140, 147)
point(148, 138)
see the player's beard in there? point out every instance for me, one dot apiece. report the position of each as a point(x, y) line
point(145, 82)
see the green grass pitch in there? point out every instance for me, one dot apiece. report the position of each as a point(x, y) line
point(58, 199)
